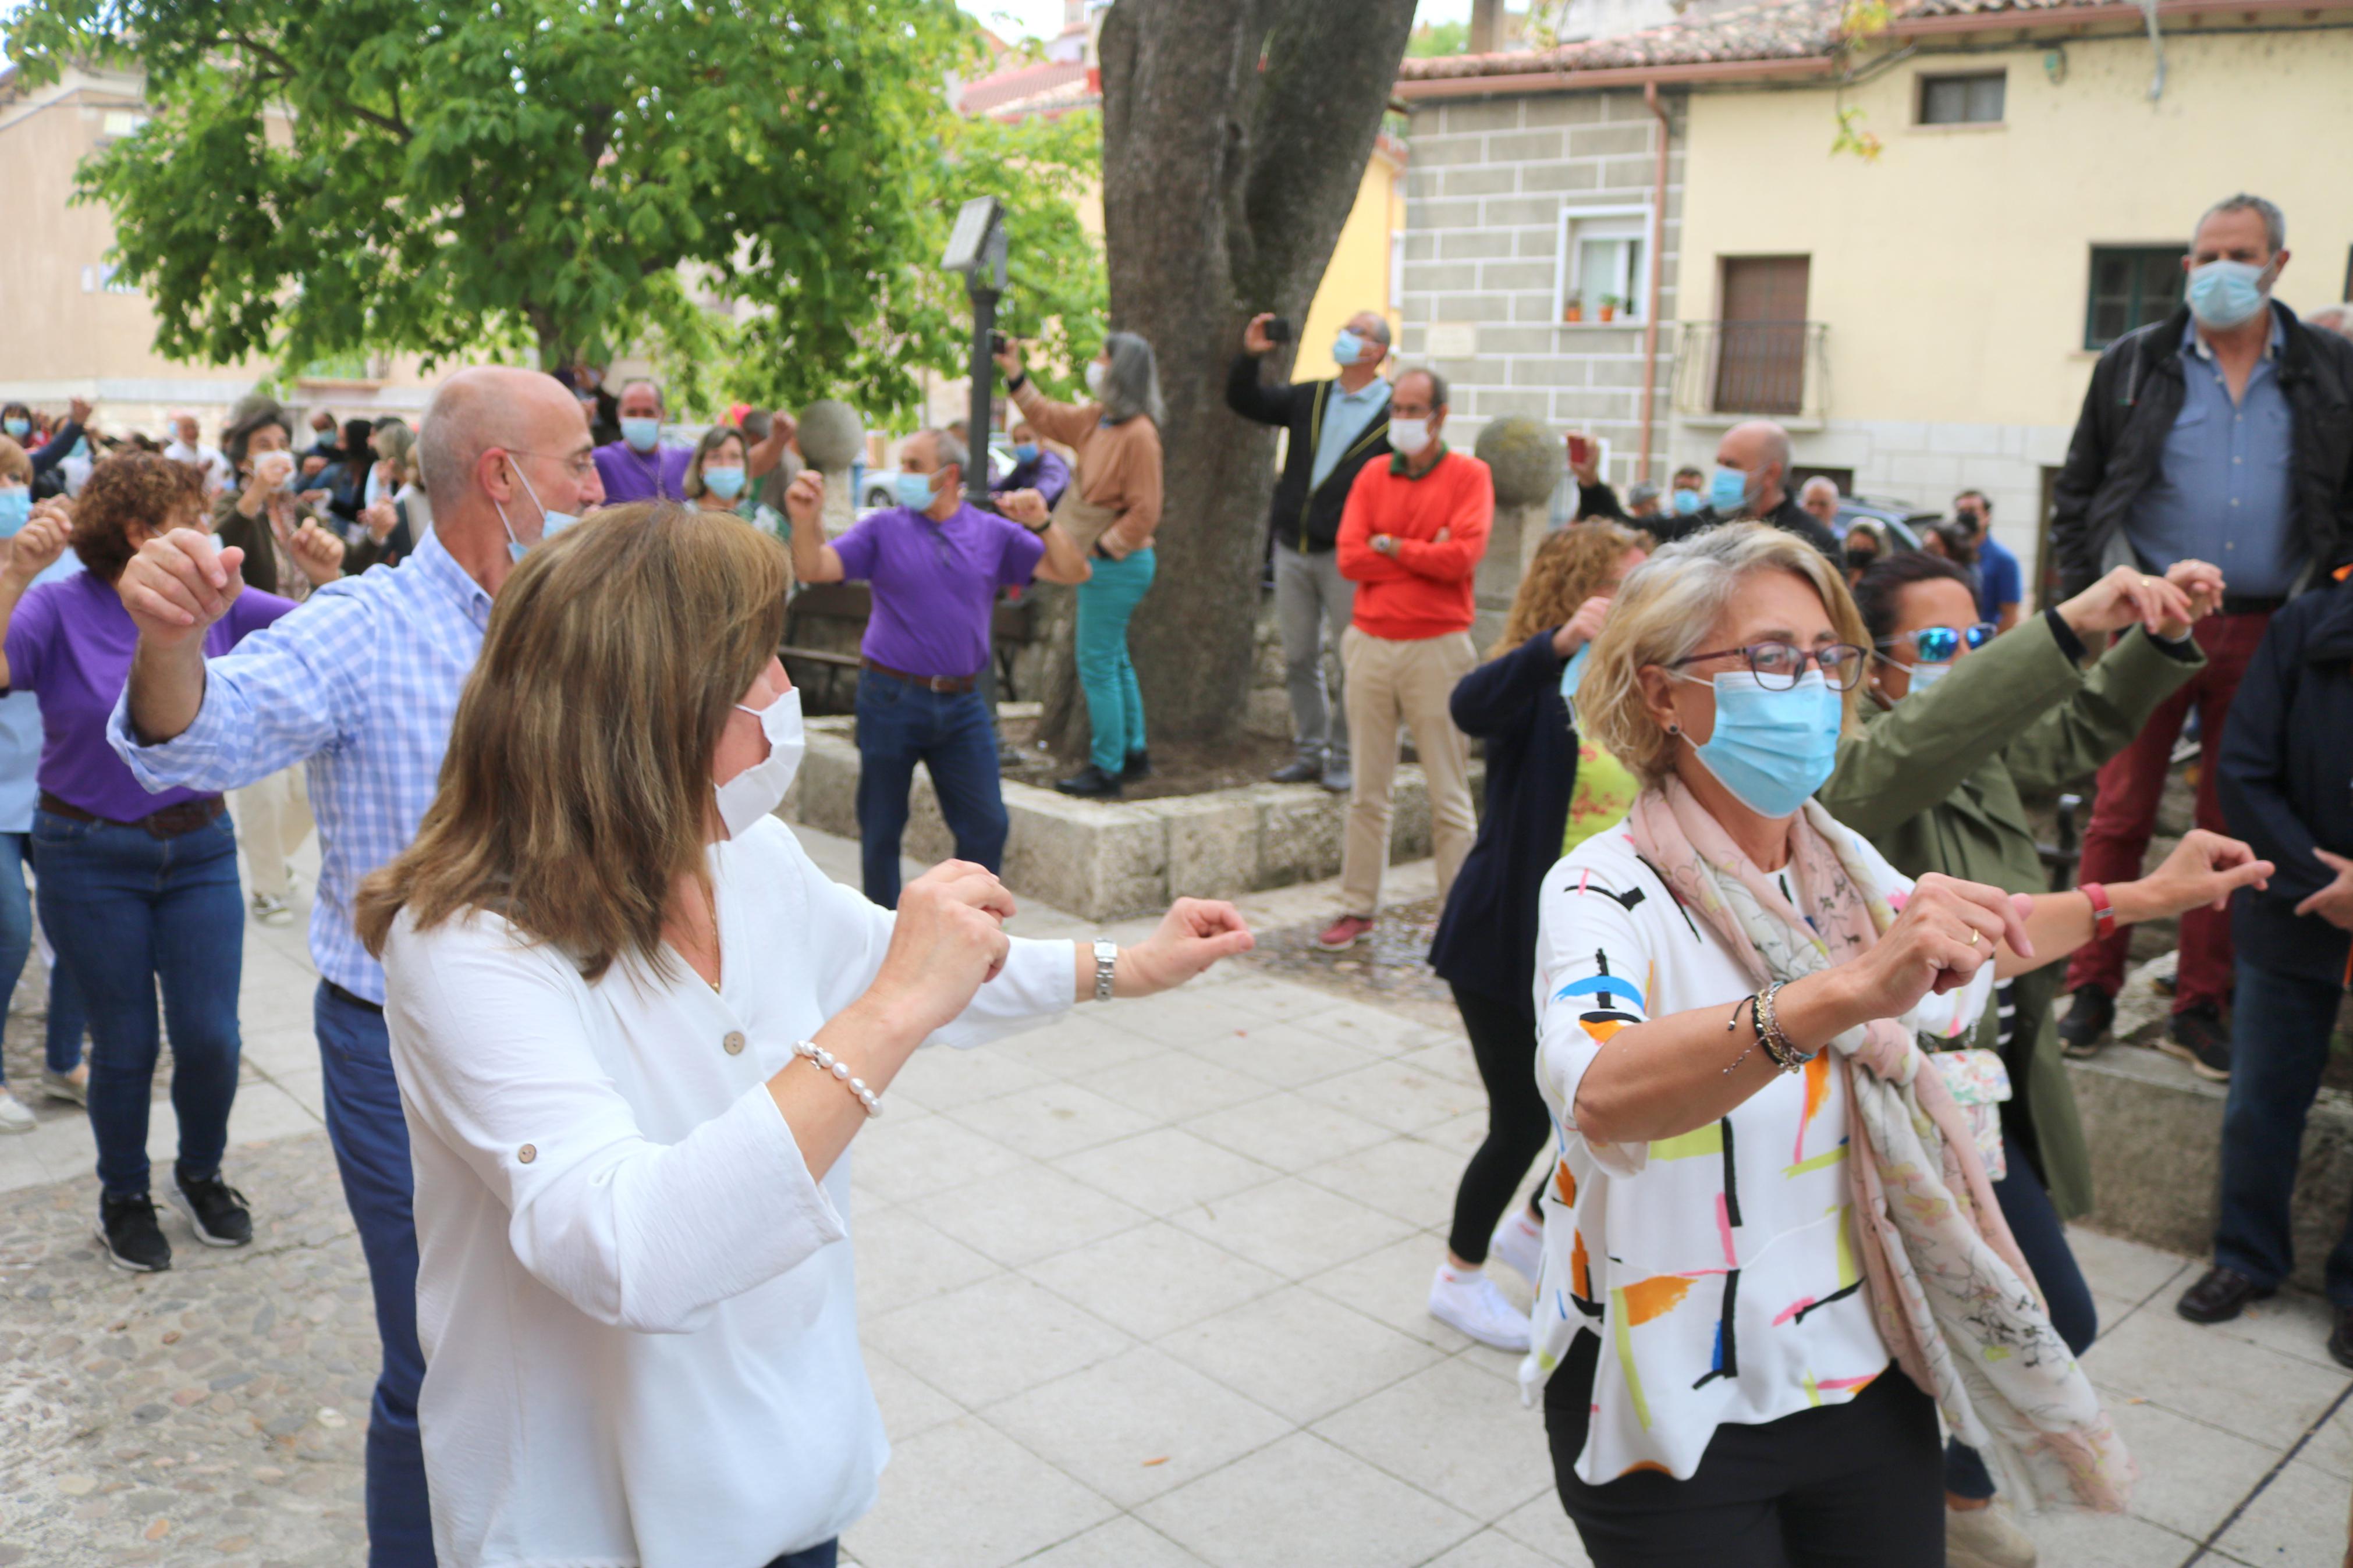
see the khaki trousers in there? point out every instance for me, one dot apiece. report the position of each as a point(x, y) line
point(1385, 682)
point(272, 817)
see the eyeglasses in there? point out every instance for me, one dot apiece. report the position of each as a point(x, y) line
point(579, 465)
point(1777, 665)
point(1941, 645)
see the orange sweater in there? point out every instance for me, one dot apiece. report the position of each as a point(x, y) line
point(1440, 521)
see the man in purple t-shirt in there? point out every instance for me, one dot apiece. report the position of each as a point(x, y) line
point(933, 563)
point(641, 467)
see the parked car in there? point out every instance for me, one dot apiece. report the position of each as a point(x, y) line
point(879, 487)
point(1903, 522)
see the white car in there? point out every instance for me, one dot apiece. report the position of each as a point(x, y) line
point(881, 487)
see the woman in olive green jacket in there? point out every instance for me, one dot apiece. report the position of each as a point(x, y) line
point(1933, 778)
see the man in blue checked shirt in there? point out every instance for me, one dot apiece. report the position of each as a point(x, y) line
point(361, 682)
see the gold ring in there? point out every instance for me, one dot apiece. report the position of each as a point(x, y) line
point(1976, 937)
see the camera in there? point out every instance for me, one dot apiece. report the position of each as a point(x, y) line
point(1278, 331)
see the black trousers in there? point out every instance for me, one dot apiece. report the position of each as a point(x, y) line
point(1504, 1043)
point(1859, 1485)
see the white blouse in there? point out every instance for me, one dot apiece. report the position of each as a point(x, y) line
point(636, 1305)
point(1718, 1268)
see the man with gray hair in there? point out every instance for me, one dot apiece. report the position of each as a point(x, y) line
point(933, 563)
point(2337, 319)
point(1819, 497)
point(361, 681)
point(2224, 433)
point(1336, 426)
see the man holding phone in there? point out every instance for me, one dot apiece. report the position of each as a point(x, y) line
point(1337, 427)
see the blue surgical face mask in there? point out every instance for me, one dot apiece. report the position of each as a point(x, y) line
point(1572, 674)
point(551, 523)
point(2224, 293)
point(18, 428)
point(914, 490)
point(1686, 502)
point(1027, 452)
point(641, 434)
point(1772, 749)
point(1727, 489)
point(16, 509)
point(724, 483)
point(1345, 348)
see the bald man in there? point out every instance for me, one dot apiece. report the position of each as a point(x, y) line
point(361, 683)
point(1751, 481)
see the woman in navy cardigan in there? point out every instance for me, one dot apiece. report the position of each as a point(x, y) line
point(1485, 946)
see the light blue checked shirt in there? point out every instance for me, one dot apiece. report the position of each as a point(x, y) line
point(361, 682)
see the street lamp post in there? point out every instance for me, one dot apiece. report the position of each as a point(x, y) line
point(976, 250)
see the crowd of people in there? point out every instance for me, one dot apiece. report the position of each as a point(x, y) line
point(1754, 945)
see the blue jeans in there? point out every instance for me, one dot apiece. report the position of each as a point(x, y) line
point(824, 1554)
point(2043, 1242)
point(126, 910)
point(1107, 602)
point(2279, 1042)
point(370, 1141)
point(950, 732)
point(66, 1022)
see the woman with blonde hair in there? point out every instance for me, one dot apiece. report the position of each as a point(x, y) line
point(1540, 772)
point(1762, 1199)
point(636, 1030)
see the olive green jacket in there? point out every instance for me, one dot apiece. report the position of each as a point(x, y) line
point(1934, 784)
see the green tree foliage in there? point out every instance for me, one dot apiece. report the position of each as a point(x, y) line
point(1435, 39)
point(463, 178)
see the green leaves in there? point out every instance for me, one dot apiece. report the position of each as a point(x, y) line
point(459, 178)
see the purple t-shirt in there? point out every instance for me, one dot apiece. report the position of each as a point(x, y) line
point(71, 643)
point(631, 475)
point(935, 584)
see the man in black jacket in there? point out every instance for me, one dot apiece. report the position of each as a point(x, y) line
point(2287, 755)
point(1751, 482)
point(2224, 433)
point(1337, 427)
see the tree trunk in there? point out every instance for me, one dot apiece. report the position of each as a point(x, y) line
point(1235, 137)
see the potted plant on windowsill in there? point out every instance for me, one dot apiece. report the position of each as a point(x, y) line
point(1608, 306)
point(1572, 308)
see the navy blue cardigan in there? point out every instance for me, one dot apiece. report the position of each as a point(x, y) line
point(1486, 939)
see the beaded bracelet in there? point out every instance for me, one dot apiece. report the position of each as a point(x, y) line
point(828, 1062)
point(1777, 1046)
point(1732, 1023)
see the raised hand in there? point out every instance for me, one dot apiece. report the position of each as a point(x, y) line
point(1009, 360)
point(805, 497)
point(2124, 595)
point(1581, 627)
point(1024, 507)
point(178, 584)
point(1254, 338)
point(318, 552)
point(37, 546)
point(1947, 929)
point(1194, 934)
point(77, 410)
point(947, 942)
point(380, 520)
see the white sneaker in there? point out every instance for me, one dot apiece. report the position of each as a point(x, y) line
point(14, 1116)
point(1475, 1307)
point(1985, 1538)
point(271, 910)
point(1518, 1243)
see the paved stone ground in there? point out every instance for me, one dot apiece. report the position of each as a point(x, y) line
point(1143, 1288)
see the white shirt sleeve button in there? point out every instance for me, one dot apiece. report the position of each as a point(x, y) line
point(733, 1042)
point(527, 1153)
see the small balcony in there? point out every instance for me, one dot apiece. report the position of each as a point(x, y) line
point(1737, 370)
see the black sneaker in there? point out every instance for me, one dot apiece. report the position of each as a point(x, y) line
point(2085, 1028)
point(1139, 766)
point(1091, 783)
point(217, 1210)
point(2219, 1296)
point(1306, 768)
point(133, 1240)
point(2199, 1036)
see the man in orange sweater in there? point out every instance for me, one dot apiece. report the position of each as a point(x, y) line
point(1410, 540)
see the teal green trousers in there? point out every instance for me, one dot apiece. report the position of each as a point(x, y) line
point(1107, 602)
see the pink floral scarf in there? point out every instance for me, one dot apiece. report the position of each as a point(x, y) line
point(1953, 1299)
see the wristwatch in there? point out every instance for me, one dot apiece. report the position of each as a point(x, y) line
point(1106, 967)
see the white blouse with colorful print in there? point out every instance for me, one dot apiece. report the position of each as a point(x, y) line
point(1717, 1266)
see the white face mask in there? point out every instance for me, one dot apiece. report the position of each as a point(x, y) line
point(759, 789)
point(1408, 436)
point(1096, 375)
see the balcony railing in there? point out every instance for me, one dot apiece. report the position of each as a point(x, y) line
point(1777, 368)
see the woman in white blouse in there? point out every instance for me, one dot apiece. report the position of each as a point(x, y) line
point(1763, 1196)
point(636, 1030)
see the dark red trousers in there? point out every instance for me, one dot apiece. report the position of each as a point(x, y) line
point(2125, 813)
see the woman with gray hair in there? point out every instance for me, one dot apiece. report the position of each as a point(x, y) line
point(1112, 509)
point(1764, 1195)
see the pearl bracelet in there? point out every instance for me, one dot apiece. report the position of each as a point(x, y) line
point(828, 1062)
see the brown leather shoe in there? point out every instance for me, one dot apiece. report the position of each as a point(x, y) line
point(2221, 1295)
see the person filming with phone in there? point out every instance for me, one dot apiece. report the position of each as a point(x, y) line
point(1337, 427)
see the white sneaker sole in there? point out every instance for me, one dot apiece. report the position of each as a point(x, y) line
point(179, 1201)
point(1517, 1344)
point(124, 1263)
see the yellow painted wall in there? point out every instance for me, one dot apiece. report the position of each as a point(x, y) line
point(1953, 272)
point(1358, 275)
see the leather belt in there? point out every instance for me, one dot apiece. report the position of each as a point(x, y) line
point(2250, 604)
point(169, 823)
point(354, 998)
point(943, 684)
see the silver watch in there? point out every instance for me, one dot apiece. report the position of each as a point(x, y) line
point(1106, 967)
